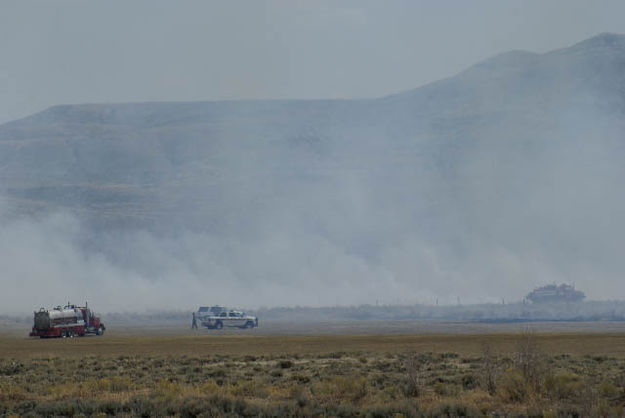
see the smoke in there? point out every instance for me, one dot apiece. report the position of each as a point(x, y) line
point(505, 220)
point(475, 188)
point(45, 262)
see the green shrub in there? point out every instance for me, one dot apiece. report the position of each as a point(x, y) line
point(220, 372)
point(453, 410)
point(250, 389)
point(513, 387)
point(24, 407)
point(563, 385)
point(298, 393)
point(142, 406)
point(416, 366)
point(13, 393)
point(446, 389)
point(113, 408)
point(608, 390)
point(469, 381)
point(285, 364)
point(342, 389)
point(336, 355)
point(449, 355)
point(301, 378)
point(120, 383)
point(167, 390)
point(397, 410)
point(11, 368)
point(56, 409)
point(569, 411)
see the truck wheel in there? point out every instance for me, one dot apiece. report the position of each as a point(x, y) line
point(249, 324)
point(219, 325)
point(99, 331)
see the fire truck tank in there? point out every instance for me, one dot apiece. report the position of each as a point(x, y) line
point(45, 319)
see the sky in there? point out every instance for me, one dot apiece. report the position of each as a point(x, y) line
point(78, 51)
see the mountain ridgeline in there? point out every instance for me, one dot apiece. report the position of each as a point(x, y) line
point(505, 176)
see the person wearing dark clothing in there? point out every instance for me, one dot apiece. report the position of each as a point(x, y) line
point(194, 322)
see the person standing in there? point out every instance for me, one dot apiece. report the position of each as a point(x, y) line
point(194, 322)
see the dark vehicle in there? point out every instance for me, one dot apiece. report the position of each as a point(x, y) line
point(553, 293)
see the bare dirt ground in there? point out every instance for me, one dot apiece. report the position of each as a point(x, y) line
point(311, 328)
point(282, 328)
point(600, 338)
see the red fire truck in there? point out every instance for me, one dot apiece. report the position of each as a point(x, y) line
point(66, 321)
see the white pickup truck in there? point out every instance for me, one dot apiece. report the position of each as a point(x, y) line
point(213, 319)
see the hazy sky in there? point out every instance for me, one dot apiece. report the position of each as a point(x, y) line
point(76, 51)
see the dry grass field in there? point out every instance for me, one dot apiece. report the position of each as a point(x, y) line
point(177, 372)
